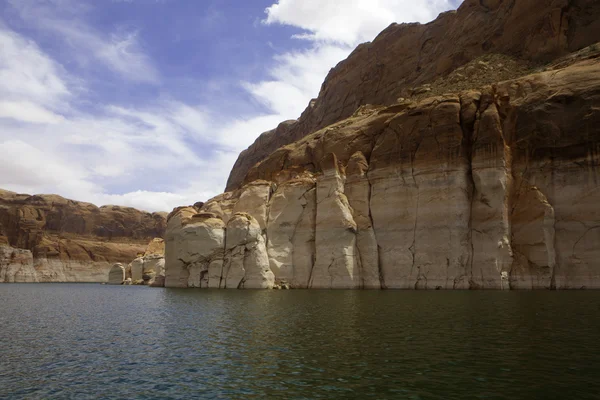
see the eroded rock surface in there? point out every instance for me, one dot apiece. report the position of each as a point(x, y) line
point(404, 58)
point(16, 265)
point(72, 241)
point(290, 228)
point(116, 275)
point(204, 252)
point(336, 265)
point(496, 188)
point(246, 262)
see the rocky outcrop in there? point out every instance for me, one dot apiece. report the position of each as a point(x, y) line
point(16, 265)
point(495, 188)
point(204, 252)
point(72, 241)
point(405, 57)
point(136, 269)
point(149, 267)
point(194, 249)
point(155, 247)
point(116, 275)
point(154, 270)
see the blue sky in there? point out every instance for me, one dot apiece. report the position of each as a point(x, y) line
point(147, 103)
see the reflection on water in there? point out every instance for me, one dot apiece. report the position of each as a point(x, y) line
point(89, 341)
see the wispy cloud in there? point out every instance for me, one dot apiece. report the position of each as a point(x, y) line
point(120, 51)
point(185, 149)
point(27, 73)
point(27, 111)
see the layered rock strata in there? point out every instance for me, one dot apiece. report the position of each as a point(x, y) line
point(496, 188)
point(70, 241)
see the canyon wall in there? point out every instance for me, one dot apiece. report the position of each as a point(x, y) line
point(405, 56)
point(47, 238)
point(495, 188)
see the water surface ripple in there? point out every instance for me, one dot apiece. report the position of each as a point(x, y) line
point(85, 341)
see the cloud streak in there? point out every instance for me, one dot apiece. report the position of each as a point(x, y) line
point(120, 51)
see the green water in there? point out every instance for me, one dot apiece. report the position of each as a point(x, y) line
point(94, 341)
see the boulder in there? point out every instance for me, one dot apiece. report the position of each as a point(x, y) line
point(137, 269)
point(116, 275)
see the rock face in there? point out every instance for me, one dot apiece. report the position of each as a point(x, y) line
point(116, 276)
point(494, 188)
point(204, 252)
point(156, 247)
point(149, 268)
point(404, 57)
point(336, 265)
point(291, 241)
point(16, 265)
point(72, 241)
point(358, 192)
point(246, 262)
point(194, 249)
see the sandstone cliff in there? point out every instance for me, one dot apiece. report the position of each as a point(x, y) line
point(146, 269)
point(47, 238)
point(405, 56)
point(494, 188)
point(459, 154)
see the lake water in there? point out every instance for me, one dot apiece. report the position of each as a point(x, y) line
point(92, 341)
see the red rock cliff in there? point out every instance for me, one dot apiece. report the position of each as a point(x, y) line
point(406, 56)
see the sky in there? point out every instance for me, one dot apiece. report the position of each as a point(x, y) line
point(147, 103)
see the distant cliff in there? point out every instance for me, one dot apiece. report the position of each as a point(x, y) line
point(460, 154)
point(48, 238)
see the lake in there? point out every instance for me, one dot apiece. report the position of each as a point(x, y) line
point(94, 341)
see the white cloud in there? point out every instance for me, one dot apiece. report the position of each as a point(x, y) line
point(334, 29)
point(79, 154)
point(296, 78)
point(121, 52)
point(352, 21)
point(25, 166)
point(26, 111)
point(163, 153)
point(27, 73)
point(146, 200)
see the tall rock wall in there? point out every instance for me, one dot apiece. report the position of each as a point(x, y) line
point(497, 188)
point(405, 56)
